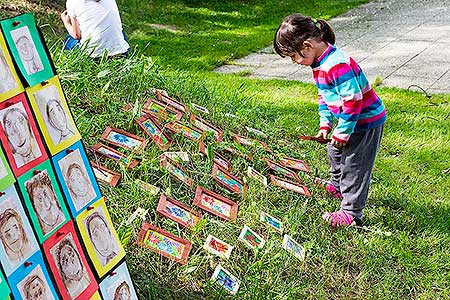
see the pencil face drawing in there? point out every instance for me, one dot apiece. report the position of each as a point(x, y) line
point(7, 80)
point(35, 286)
point(27, 50)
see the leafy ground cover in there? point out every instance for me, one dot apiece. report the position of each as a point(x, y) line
point(403, 251)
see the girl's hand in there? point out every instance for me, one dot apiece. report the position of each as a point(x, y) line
point(65, 17)
point(323, 134)
point(337, 144)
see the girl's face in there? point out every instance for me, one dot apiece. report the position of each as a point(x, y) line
point(42, 198)
point(25, 49)
point(123, 294)
point(36, 291)
point(57, 116)
point(12, 235)
point(101, 236)
point(304, 57)
point(16, 128)
point(70, 263)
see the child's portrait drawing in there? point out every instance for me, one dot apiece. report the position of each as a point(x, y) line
point(27, 50)
point(7, 80)
point(34, 286)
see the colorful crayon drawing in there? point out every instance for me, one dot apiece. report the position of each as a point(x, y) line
point(181, 214)
point(228, 181)
point(295, 164)
point(178, 174)
point(293, 247)
point(216, 205)
point(271, 221)
point(217, 247)
point(226, 280)
point(185, 130)
point(251, 238)
point(258, 176)
point(155, 133)
point(160, 242)
point(221, 161)
point(113, 155)
point(123, 140)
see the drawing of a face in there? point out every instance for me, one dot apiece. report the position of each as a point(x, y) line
point(12, 234)
point(18, 131)
point(7, 81)
point(27, 50)
point(122, 292)
point(35, 289)
point(77, 181)
point(101, 237)
point(57, 118)
point(69, 262)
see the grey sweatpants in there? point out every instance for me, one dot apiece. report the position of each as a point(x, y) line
point(351, 168)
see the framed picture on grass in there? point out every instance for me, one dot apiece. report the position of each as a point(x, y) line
point(32, 281)
point(225, 279)
point(6, 176)
point(186, 131)
point(106, 175)
point(10, 84)
point(53, 115)
point(217, 247)
point(161, 111)
point(290, 185)
point(215, 204)
point(65, 257)
point(295, 164)
point(4, 288)
point(76, 177)
point(118, 285)
point(43, 199)
point(152, 128)
point(257, 175)
point(19, 135)
point(178, 212)
point(27, 48)
point(228, 181)
point(176, 171)
point(172, 102)
point(164, 243)
point(218, 159)
point(249, 142)
point(99, 237)
point(113, 154)
point(17, 240)
point(251, 238)
point(281, 170)
point(126, 140)
point(205, 126)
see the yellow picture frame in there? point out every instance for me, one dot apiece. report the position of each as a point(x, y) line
point(53, 115)
point(100, 238)
point(7, 90)
point(96, 296)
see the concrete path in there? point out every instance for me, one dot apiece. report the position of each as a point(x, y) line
point(401, 42)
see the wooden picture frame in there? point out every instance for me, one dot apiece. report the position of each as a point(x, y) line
point(186, 131)
point(296, 164)
point(164, 243)
point(218, 159)
point(176, 171)
point(152, 128)
point(281, 170)
point(250, 142)
point(227, 180)
point(215, 204)
point(106, 175)
point(178, 212)
point(172, 102)
point(113, 154)
point(161, 111)
point(123, 139)
point(314, 138)
point(290, 185)
point(206, 126)
point(251, 172)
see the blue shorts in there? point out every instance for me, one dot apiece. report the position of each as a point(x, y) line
point(70, 43)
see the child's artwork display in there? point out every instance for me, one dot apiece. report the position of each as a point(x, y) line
point(113, 154)
point(172, 102)
point(76, 177)
point(178, 212)
point(106, 175)
point(290, 185)
point(4, 288)
point(53, 115)
point(19, 135)
point(250, 142)
point(215, 204)
point(281, 170)
point(217, 247)
point(176, 156)
point(120, 138)
point(6, 176)
point(10, 84)
point(186, 131)
point(118, 285)
point(73, 277)
point(228, 181)
point(100, 237)
point(257, 175)
point(151, 127)
point(176, 171)
point(251, 238)
point(224, 278)
point(205, 126)
point(293, 247)
point(31, 281)
point(17, 238)
point(218, 159)
point(27, 48)
point(164, 243)
point(152, 189)
point(43, 200)
point(271, 221)
point(161, 111)
point(296, 164)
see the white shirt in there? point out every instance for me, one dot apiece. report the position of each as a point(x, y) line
point(100, 26)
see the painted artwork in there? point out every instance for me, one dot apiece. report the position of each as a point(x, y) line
point(228, 181)
point(217, 247)
point(6, 176)
point(65, 257)
point(205, 126)
point(53, 115)
point(161, 111)
point(186, 131)
point(290, 185)
point(10, 84)
point(281, 170)
point(19, 135)
point(178, 212)
point(120, 138)
point(151, 127)
point(114, 155)
point(251, 238)
point(296, 164)
point(43, 199)
point(100, 237)
point(106, 175)
point(171, 102)
point(164, 243)
point(215, 204)
point(250, 142)
point(76, 177)
point(152, 189)
point(118, 285)
point(27, 48)
point(257, 175)
point(176, 171)
point(271, 221)
point(293, 247)
point(224, 278)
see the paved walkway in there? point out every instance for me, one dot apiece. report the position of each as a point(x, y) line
point(402, 42)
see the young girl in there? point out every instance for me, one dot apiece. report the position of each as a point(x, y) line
point(346, 95)
point(96, 26)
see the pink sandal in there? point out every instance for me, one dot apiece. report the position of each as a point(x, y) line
point(340, 218)
point(328, 187)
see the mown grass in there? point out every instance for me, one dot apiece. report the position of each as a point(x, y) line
point(403, 251)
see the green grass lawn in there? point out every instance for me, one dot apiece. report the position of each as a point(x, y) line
point(403, 252)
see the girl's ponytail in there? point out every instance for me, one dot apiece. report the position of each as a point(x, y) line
point(326, 32)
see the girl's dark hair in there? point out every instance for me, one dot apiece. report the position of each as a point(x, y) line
point(297, 28)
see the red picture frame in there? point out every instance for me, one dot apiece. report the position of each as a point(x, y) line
point(220, 179)
point(19, 105)
point(218, 159)
point(206, 126)
point(282, 170)
point(171, 166)
point(290, 185)
point(114, 176)
point(177, 105)
point(250, 142)
point(67, 233)
point(212, 201)
point(178, 127)
point(186, 210)
point(110, 129)
point(293, 163)
point(157, 132)
point(145, 236)
point(161, 116)
point(115, 155)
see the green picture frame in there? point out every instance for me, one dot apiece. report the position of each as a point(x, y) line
point(6, 175)
point(4, 288)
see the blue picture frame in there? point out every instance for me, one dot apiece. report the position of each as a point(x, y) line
point(118, 279)
point(77, 178)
